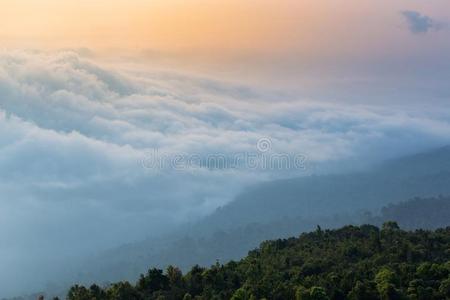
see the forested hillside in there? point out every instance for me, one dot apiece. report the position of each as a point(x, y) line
point(349, 263)
point(190, 248)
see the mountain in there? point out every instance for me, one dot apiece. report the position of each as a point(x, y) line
point(429, 213)
point(348, 263)
point(188, 249)
point(285, 208)
point(421, 175)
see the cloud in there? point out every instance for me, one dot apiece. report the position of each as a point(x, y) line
point(420, 24)
point(74, 133)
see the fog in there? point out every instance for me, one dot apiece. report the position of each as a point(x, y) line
point(96, 153)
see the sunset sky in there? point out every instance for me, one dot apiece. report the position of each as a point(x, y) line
point(284, 40)
point(306, 27)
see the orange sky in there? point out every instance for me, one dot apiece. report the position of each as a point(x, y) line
point(306, 28)
point(138, 23)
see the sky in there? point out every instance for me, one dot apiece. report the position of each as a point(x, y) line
point(315, 29)
point(94, 95)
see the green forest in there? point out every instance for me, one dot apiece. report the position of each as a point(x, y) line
point(353, 262)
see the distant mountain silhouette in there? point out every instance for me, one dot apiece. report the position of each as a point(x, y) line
point(421, 175)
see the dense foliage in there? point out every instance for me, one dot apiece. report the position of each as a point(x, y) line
point(349, 263)
point(191, 247)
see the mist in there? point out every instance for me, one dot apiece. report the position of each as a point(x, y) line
point(82, 144)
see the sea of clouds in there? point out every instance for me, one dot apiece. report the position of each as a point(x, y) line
point(76, 137)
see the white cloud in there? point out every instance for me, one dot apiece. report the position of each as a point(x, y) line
point(73, 134)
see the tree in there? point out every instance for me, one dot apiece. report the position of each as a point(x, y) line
point(175, 276)
point(390, 225)
point(444, 288)
point(385, 280)
point(187, 296)
point(78, 293)
point(241, 294)
point(318, 293)
point(363, 290)
point(302, 293)
point(122, 291)
point(154, 281)
point(97, 292)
